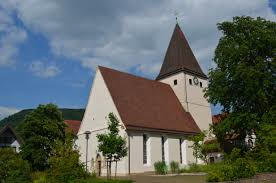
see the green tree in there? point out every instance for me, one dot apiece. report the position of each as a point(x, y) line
point(64, 163)
point(111, 144)
point(13, 169)
point(40, 130)
point(243, 81)
point(201, 148)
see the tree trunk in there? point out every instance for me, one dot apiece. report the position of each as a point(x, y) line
point(107, 169)
point(110, 169)
point(116, 170)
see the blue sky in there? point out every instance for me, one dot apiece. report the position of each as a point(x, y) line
point(49, 49)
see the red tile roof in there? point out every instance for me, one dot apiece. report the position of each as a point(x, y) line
point(218, 118)
point(147, 104)
point(73, 125)
point(179, 57)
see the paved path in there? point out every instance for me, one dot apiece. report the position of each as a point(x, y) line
point(168, 179)
point(263, 178)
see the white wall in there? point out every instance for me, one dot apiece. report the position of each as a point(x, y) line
point(172, 152)
point(99, 105)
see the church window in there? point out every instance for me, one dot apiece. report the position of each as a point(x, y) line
point(180, 150)
point(175, 82)
point(190, 81)
point(200, 84)
point(163, 148)
point(145, 158)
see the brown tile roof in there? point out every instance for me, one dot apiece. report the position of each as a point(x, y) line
point(179, 57)
point(73, 126)
point(147, 104)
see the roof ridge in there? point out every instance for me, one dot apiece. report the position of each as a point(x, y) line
point(132, 75)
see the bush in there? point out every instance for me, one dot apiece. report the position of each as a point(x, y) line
point(221, 172)
point(39, 177)
point(244, 168)
point(231, 170)
point(13, 169)
point(263, 159)
point(160, 167)
point(194, 168)
point(64, 164)
point(174, 167)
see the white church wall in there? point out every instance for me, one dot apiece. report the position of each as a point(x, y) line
point(204, 119)
point(95, 120)
point(172, 153)
point(198, 105)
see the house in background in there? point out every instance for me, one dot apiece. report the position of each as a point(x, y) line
point(72, 126)
point(156, 116)
point(9, 138)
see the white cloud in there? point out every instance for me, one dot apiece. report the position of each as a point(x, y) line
point(10, 37)
point(7, 111)
point(42, 70)
point(131, 34)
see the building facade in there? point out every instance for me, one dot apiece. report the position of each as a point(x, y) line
point(156, 116)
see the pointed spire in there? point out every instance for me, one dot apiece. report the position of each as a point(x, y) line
point(179, 57)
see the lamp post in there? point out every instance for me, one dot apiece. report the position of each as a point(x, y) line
point(87, 134)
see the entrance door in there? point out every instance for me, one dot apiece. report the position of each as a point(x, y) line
point(98, 165)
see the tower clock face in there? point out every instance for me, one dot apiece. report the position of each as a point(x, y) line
point(196, 80)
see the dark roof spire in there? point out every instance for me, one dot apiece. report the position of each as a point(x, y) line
point(179, 57)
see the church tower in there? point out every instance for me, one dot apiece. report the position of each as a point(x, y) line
point(182, 72)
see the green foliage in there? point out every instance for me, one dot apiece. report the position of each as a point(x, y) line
point(234, 167)
point(195, 168)
point(17, 118)
point(64, 164)
point(174, 167)
point(39, 177)
point(160, 168)
point(230, 171)
point(13, 169)
point(267, 130)
point(244, 80)
point(264, 161)
point(40, 130)
point(111, 144)
point(198, 146)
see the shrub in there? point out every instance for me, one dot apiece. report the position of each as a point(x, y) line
point(231, 170)
point(13, 169)
point(244, 168)
point(195, 168)
point(174, 167)
point(160, 167)
point(64, 164)
point(39, 177)
point(263, 159)
point(221, 172)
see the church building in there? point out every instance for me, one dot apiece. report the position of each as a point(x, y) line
point(156, 116)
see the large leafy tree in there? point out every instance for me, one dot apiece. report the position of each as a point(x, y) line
point(111, 144)
point(244, 80)
point(40, 130)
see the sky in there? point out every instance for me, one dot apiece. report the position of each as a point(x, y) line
point(49, 50)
